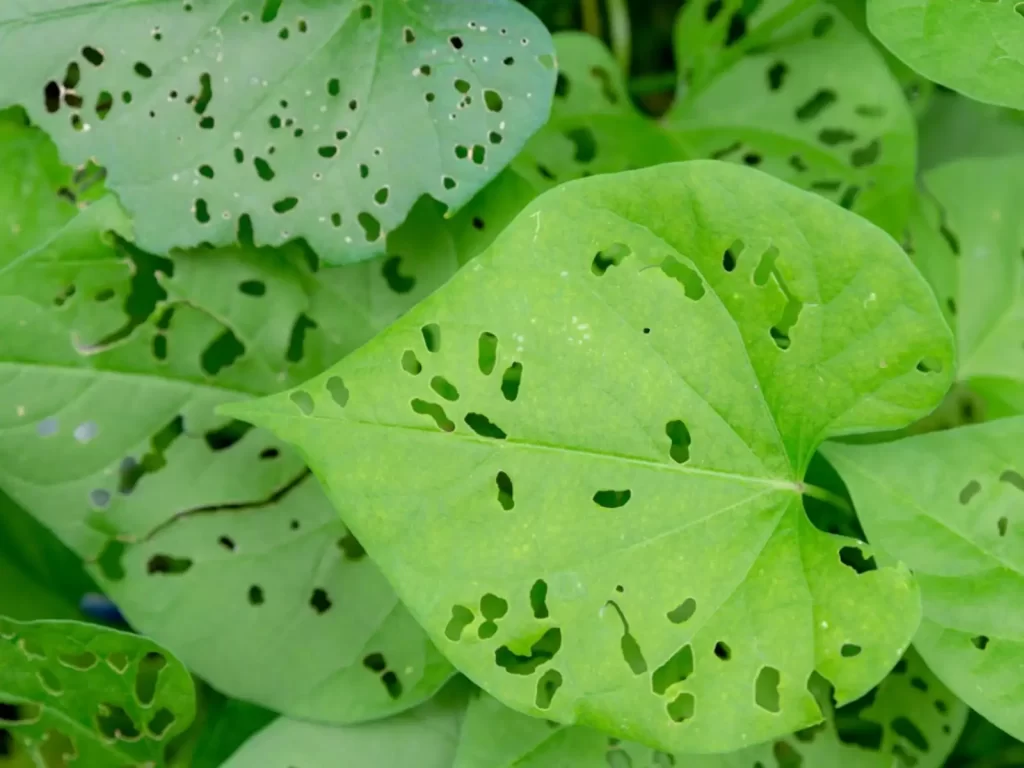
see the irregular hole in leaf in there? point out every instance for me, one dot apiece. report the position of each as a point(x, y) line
point(99, 498)
point(511, 380)
point(822, 25)
point(168, 564)
point(444, 388)
point(505, 491)
point(604, 78)
point(111, 560)
point(147, 676)
point(161, 721)
point(434, 411)
point(930, 365)
point(338, 391)
point(432, 337)
point(541, 652)
point(905, 728)
point(131, 472)
point(1001, 525)
point(849, 197)
point(227, 542)
point(677, 432)
point(687, 277)
point(682, 612)
point(969, 491)
point(584, 144)
point(723, 651)
point(629, 646)
point(370, 225)
point(777, 75)
point(255, 595)
point(487, 352)
point(834, 136)
point(712, 9)
point(396, 281)
point(484, 427)
point(1013, 478)
point(854, 558)
point(410, 363)
point(766, 689)
point(222, 353)
point(547, 687)
point(786, 755)
point(682, 707)
point(849, 650)
point(51, 684)
point(226, 436)
point(461, 618)
point(115, 723)
point(303, 401)
point(814, 106)
point(676, 670)
point(980, 642)
point(539, 599)
point(866, 155)
point(320, 601)
point(351, 548)
point(609, 257)
point(561, 85)
point(611, 499)
point(270, 9)
point(731, 256)
point(83, 661)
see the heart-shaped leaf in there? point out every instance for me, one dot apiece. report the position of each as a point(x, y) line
point(813, 105)
point(211, 537)
point(580, 462)
point(951, 505)
point(319, 120)
point(976, 47)
point(94, 696)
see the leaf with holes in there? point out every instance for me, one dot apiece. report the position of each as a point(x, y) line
point(580, 462)
point(210, 536)
point(324, 121)
point(76, 692)
point(966, 239)
point(814, 105)
point(951, 505)
point(973, 46)
point(911, 716)
point(425, 737)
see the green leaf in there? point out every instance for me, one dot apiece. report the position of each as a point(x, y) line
point(911, 717)
point(224, 725)
point(974, 47)
point(580, 461)
point(425, 737)
point(320, 121)
point(814, 105)
point(967, 241)
point(102, 698)
point(949, 504)
point(210, 537)
point(955, 127)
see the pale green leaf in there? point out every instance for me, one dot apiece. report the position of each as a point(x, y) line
point(967, 240)
point(425, 737)
point(210, 537)
point(815, 106)
point(608, 415)
point(325, 121)
point(951, 505)
point(973, 46)
point(911, 717)
point(96, 696)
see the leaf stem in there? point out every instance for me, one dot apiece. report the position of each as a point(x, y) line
point(822, 494)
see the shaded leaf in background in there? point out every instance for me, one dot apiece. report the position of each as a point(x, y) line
point(911, 718)
point(967, 240)
point(951, 506)
point(211, 537)
point(955, 127)
point(522, 485)
point(815, 106)
point(321, 121)
point(975, 47)
point(102, 698)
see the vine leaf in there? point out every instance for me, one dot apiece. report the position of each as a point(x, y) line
point(111, 364)
point(325, 121)
point(78, 692)
point(806, 98)
point(976, 48)
point(951, 505)
point(712, 325)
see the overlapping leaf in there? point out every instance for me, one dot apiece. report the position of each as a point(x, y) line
point(210, 536)
point(580, 462)
point(976, 47)
point(318, 120)
point(76, 693)
point(951, 505)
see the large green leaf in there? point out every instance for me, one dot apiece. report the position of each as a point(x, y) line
point(814, 105)
point(951, 505)
point(319, 120)
point(580, 462)
point(976, 47)
point(967, 239)
point(911, 716)
point(102, 698)
point(211, 538)
point(425, 737)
